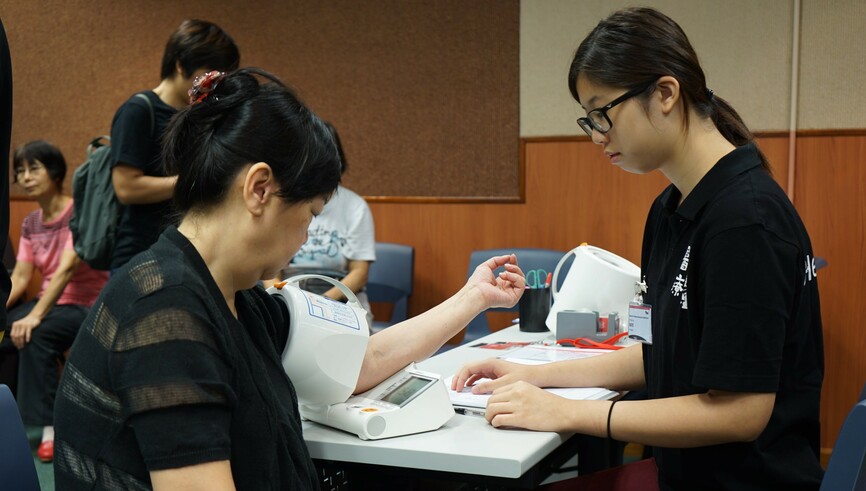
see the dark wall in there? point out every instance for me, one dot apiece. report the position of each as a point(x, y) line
point(424, 94)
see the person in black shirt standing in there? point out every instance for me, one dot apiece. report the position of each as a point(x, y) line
point(140, 182)
point(734, 364)
point(8, 355)
point(5, 139)
point(175, 379)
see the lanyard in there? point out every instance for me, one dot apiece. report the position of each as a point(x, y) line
point(608, 344)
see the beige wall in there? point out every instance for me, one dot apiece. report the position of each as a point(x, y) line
point(833, 64)
point(746, 57)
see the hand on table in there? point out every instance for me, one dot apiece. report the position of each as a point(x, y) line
point(523, 405)
point(500, 373)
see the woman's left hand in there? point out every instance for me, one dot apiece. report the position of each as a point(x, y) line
point(503, 290)
point(523, 405)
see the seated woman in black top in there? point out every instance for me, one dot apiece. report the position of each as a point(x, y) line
point(175, 380)
point(735, 365)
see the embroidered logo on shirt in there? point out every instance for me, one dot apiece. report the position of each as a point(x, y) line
point(684, 265)
point(811, 270)
point(681, 281)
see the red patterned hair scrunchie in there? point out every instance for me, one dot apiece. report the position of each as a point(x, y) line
point(204, 85)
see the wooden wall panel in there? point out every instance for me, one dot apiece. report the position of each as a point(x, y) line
point(573, 195)
point(829, 194)
point(18, 209)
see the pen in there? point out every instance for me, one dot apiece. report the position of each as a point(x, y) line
point(469, 411)
point(547, 282)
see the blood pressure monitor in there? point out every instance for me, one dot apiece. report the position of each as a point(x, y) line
point(323, 357)
point(411, 401)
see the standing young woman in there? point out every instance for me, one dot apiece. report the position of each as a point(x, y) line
point(138, 176)
point(735, 365)
point(5, 137)
point(175, 380)
point(43, 328)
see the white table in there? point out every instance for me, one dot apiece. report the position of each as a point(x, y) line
point(467, 448)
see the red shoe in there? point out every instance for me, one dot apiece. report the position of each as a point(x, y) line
point(45, 452)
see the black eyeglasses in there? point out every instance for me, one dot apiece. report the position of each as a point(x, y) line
point(598, 120)
point(35, 168)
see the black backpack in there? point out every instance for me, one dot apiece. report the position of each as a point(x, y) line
point(95, 210)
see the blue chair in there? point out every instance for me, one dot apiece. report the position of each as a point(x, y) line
point(535, 263)
point(820, 262)
point(846, 470)
point(390, 280)
point(17, 469)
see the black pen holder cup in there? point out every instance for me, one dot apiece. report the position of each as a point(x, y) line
point(534, 306)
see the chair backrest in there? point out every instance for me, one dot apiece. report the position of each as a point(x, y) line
point(535, 263)
point(9, 259)
point(390, 279)
point(17, 469)
point(846, 470)
point(820, 262)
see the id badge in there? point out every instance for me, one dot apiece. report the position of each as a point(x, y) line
point(640, 322)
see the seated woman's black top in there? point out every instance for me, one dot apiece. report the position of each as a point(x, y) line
point(162, 376)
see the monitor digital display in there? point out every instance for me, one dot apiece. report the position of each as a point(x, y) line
point(407, 390)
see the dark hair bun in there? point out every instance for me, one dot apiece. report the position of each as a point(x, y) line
point(249, 116)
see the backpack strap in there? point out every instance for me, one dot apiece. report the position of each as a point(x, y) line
point(150, 108)
point(97, 142)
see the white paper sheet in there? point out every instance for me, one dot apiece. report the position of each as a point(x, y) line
point(536, 354)
point(466, 398)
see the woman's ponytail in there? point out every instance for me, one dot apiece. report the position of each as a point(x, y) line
point(731, 125)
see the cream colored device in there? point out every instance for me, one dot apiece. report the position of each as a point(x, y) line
point(411, 401)
point(598, 281)
point(323, 357)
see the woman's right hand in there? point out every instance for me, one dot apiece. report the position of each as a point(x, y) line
point(500, 373)
point(22, 330)
point(502, 290)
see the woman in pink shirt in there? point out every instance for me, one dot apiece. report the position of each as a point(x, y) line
point(43, 328)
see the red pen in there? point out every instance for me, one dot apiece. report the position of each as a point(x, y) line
point(547, 282)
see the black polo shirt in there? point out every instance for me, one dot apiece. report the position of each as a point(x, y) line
point(731, 281)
